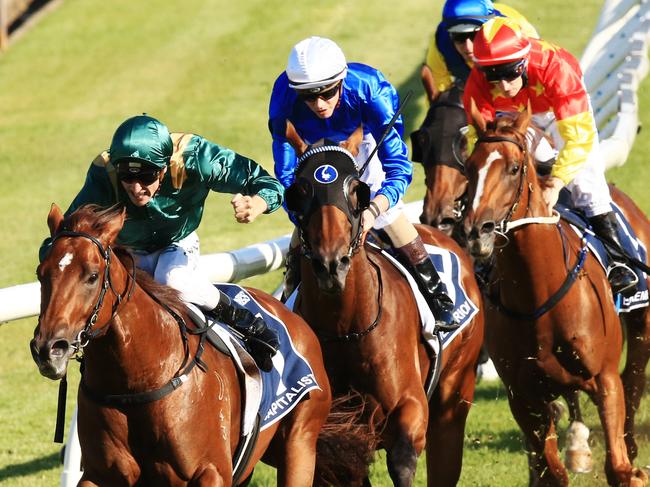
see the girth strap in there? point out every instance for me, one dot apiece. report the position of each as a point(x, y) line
point(550, 302)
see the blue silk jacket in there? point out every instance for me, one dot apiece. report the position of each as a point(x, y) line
point(367, 98)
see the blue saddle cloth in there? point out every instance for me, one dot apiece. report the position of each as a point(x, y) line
point(631, 244)
point(291, 377)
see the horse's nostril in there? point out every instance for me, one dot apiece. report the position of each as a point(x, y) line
point(319, 266)
point(487, 227)
point(446, 224)
point(345, 262)
point(59, 348)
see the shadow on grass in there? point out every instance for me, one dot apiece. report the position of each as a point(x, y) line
point(411, 113)
point(30, 467)
point(490, 391)
point(510, 441)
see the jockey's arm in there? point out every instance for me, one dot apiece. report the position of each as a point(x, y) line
point(225, 171)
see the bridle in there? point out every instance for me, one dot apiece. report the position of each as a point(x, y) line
point(506, 225)
point(87, 334)
point(355, 240)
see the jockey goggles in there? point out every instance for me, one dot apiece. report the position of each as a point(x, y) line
point(142, 174)
point(461, 37)
point(504, 72)
point(328, 94)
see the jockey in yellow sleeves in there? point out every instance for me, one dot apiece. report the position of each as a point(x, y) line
point(513, 71)
point(449, 57)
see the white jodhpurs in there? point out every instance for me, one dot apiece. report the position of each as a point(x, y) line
point(589, 190)
point(374, 176)
point(177, 266)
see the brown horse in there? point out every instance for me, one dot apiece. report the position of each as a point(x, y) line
point(444, 205)
point(184, 418)
point(442, 151)
point(576, 343)
point(366, 317)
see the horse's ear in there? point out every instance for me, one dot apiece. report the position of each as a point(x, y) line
point(354, 141)
point(477, 118)
point(295, 140)
point(54, 219)
point(112, 228)
point(523, 120)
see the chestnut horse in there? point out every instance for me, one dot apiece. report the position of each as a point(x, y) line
point(135, 336)
point(443, 152)
point(367, 319)
point(576, 343)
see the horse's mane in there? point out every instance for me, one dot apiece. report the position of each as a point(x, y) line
point(92, 219)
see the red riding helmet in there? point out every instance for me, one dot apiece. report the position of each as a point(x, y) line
point(500, 41)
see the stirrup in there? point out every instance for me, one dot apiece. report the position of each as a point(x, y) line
point(441, 325)
point(630, 286)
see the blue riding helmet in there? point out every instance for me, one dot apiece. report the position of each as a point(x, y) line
point(467, 15)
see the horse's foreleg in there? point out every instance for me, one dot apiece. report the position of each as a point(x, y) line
point(611, 408)
point(210, 477)
point(298, 463)
point(536, 421)
point(448, 411)
point(633, 376)
point(405, 438)
point(577, 457)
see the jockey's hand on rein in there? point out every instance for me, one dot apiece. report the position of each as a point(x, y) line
point(551, 187)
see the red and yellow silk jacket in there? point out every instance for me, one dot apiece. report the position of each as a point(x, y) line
point(555, 83)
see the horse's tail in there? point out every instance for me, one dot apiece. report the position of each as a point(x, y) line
point(347, 442)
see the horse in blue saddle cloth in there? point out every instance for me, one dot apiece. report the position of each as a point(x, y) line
point(367, 318)
point(553, 322)
point(157, 404)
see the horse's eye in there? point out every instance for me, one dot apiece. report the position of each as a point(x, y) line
point(514, 169)
point(92, 278)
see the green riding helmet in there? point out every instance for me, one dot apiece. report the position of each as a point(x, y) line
point(143, 142)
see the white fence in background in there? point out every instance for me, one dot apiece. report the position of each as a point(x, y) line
point(614, 62)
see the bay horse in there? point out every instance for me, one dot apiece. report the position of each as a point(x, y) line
point(440, 148)
point(540, 350)
point(138, 343)
point(366, 317)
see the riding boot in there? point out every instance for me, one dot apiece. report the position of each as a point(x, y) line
point(292, 273)
point(433, 289)
point(622, 279)
point(261, 341)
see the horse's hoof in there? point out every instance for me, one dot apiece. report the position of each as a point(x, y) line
point(578, 454)
point(579, 461)
point(639, 478)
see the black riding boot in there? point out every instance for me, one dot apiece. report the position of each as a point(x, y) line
point(428, 280)
point(261, 341)
point(292, 273)
point(622, 279)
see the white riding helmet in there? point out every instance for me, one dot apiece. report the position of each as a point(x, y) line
point(314, 63)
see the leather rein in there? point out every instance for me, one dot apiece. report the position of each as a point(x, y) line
point(507, 225)
point(87, 334)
